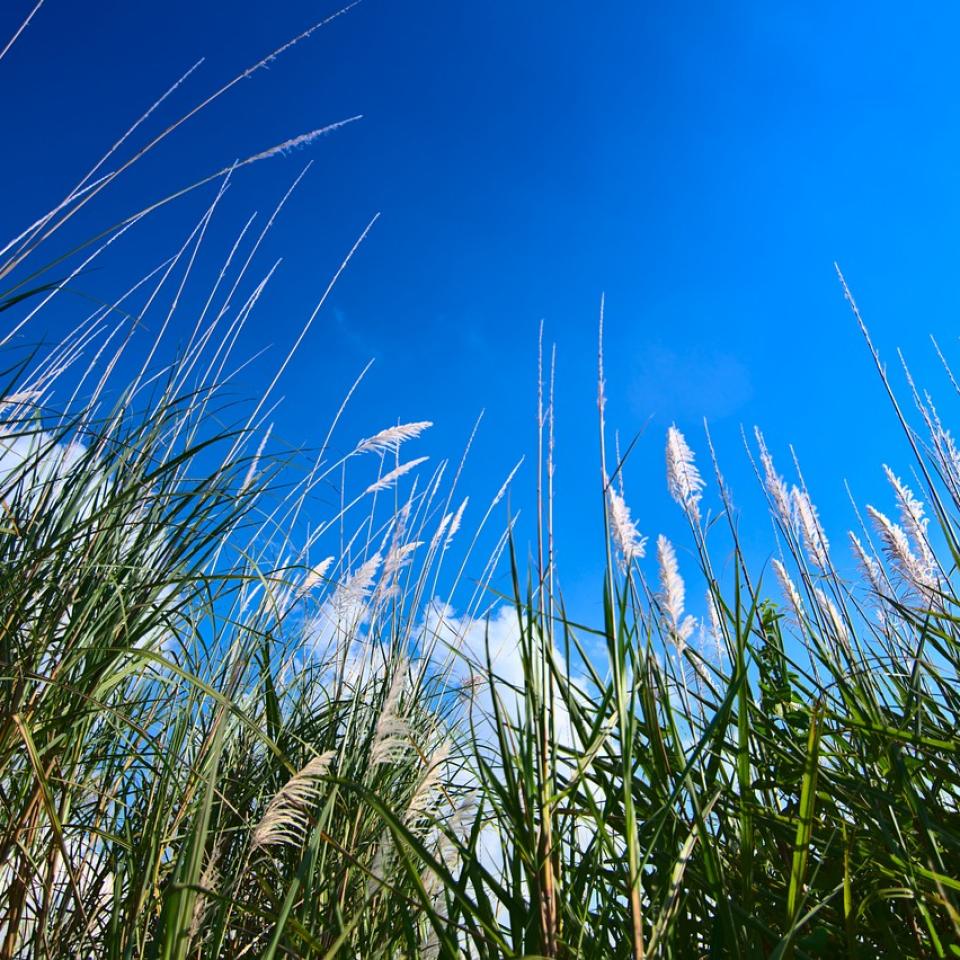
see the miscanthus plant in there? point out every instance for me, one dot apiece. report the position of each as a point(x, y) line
point(776, 777)
point(209, 729)
point(237, 721)
point(197, 745)
point(221, 698)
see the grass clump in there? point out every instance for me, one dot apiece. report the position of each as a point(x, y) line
point(237, 722)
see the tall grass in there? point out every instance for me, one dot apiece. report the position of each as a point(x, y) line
point(201, 722)
point(780, 780)
point(238, 722)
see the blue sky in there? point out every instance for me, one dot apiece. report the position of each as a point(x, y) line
point(702, 164)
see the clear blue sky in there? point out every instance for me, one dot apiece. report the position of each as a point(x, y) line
point(702, 163)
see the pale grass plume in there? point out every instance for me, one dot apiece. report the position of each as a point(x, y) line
point(255, 462)
point(455, 522)
point(441, 530)
point(210, 880)
point(673, 592)
point(912, 518)
point(346, 608)
point(630, 543)
point(947, 453)
point(316, 574)
point(459, 824)
point(789, 591)
point(447, 838)
point(872, 572)
point(774, 483)
point(810, 529)
point(399, 530)
point(391, 739)
point(714, 619)
point(424, 796)
point(389, 440)
point(286, 818)
point(430, 945)
point(389, 479)
point(398, 558)
point(506, 485)
point(831, 615)
point(403, 516)
point(683, 479)
point(869, 567)
point(296, 143)
point(356, 587)
point(437, 481)
point(896, 545)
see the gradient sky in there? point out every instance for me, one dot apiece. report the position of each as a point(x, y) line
point(702, 164)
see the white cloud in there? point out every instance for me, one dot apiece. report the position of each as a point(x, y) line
point(500, 632)
point(30, 460)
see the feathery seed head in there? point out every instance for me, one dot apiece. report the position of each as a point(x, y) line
point(285, 820)
point(811, 532)
point(832, 616)
point(713, 617)
point(441, 530)
point(391, 739)
point(912, 519)
point(673, 593)
point(774, 484)
point(896, 545)
point(455, 522)
point(683, 479)
point(423, 795)
point(255, 462)
point(209, 881)
point(294, 143)
point(789, 591)
point(868, 564)
point(355, 588)
point(400, 556)
point(506, 485)
point(380, 865)
point(630, 543)
point(673, 589)
point(316, 574)
point(948, 454)
point(389, 479)
point(388, 441)
point(715, 620)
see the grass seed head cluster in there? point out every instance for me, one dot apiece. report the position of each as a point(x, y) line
point(236, 721)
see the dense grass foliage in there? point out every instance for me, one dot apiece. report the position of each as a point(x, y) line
point(237, 721)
